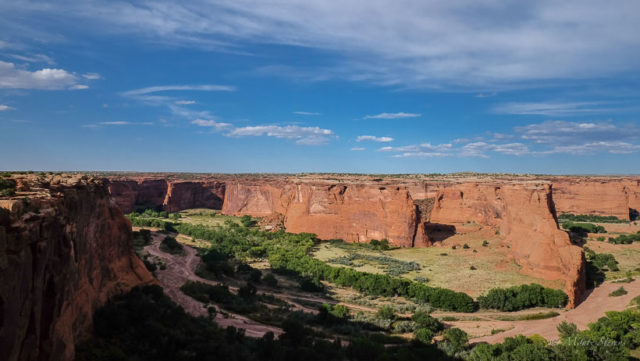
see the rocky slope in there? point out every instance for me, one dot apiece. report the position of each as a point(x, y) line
point(352, 212)
point(65, 248)
point(524, 214)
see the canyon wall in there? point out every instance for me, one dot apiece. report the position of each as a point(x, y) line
point(64, 251)
point(602, 197)
point(525, 216)
point(171, 196)
point(352, 212)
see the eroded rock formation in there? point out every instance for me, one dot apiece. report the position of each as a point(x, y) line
point(352, 212)
point(524, 214)
point(63, 252)
point(171, 196)
point(598, 196)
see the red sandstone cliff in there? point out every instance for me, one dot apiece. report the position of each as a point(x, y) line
point(353, 212)
point(598, 196)
point(63, 253)
point(171, 196)
point(525, 216)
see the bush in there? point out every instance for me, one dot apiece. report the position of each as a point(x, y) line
point(386, 313)
point(270, 280)
point(589, 218)
point(171, 245)
point(625, 238)
point(311, 285)
point(423, 335)
point(521, 297)
point(466, 246)
point(567, 329)
point(619, 292)
point(485, 243)
point(583, 228)
point(247, 221)
point(7, 187)
point(457, 338)
point(255, 276)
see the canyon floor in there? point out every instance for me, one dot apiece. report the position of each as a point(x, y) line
point(492, 270)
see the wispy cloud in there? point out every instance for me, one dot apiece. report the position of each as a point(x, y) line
point(210, 123)
point(12, 77)
point(184, 102)
point(550, 137)
point(79, 87)
point(115, 123)
point(32, 58)
point(301, 135)
point(92, 76)
point(552, 108)
point(393, 115)
point(425, 43)
point(306, 113)
point(373, 138)
point(165, 88)
point(4, 107)
point(358, 149)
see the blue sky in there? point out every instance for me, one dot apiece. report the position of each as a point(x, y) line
point(320, 86)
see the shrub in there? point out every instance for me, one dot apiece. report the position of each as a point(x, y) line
point(247, 221)
point(466, 246)
point(170, 245)
point(311, 285)
point(255, 276)
point(423, 335)
point(485, 243)
point(589, 218)
point(270, 280)
point(583, 228)
point(619, 292)
point(457, 338)
point(567, 329)
point(521, 297)
point(386, 313)
point(473, 268)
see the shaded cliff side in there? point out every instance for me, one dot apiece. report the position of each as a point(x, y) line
point(171, 196)
point(352, 212)
point(524, 214)
point(64, 251)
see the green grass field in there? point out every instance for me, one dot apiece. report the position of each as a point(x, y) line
point(492, 267)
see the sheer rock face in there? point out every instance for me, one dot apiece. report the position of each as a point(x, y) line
point(352, 212)
point(171, 196)
point(186, 195)
point(63, 254)
point(525, 216)
point(602, 197)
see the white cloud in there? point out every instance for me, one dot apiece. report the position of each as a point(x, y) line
point(429, 43)
point(79, 87)
point(165, 88)
point(184, 102)
point(552, 108)
point(372, 138)
point(560, 132)
point(306, 113)
point(357, 149)
point(302, 135)
point(4, 107)
point(550, 137)
point(210, 123)
point(12, 77)
point(35, 58)
point(92, 76)
point(392, 115)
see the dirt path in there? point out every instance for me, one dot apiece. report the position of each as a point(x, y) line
point(587, 312)
point(179, 269)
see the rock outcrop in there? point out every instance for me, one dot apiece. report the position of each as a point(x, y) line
point(525, 216)
point(171, 196)
point(349, 211)
point(597, 196)
point(64, 251)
